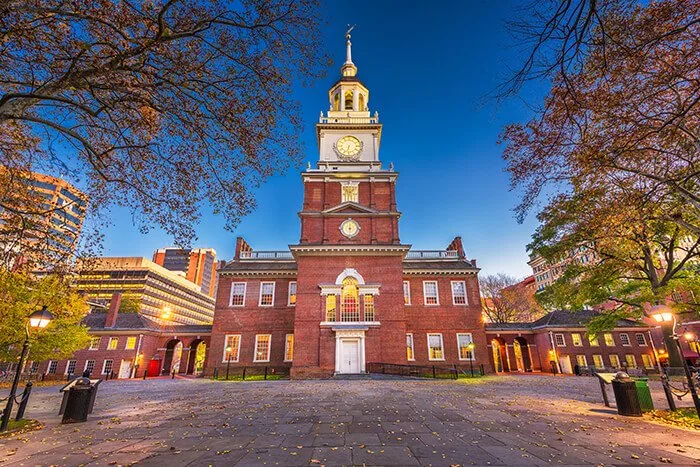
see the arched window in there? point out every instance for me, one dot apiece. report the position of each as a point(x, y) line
point(349, 100)
point(336, 101)
point(361, 102)
point(349, 300)
point(330, 308)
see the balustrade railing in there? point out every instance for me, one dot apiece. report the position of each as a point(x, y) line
point(432, 254)
point(266, 255)
point(348, 120)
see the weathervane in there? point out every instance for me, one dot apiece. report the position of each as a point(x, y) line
point(350, 28)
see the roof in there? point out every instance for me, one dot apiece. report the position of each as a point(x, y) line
point(559, 319)
point(348, 79)
point(432, 264)
point(255, 265)
point(137, 321)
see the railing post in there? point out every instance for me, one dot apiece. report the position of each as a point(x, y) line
point(265, 377)
point(244, 373)
point(25, 400)
point(434, 372)
point(481, 369)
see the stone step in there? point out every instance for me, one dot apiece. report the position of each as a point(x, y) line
point(359, 376)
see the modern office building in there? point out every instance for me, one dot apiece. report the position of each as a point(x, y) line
point(196, 265)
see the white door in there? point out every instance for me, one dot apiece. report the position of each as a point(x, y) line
point(565, 364)
point(125, 369)
point(350, 356)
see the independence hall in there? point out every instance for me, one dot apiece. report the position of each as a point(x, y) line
point(350, 293)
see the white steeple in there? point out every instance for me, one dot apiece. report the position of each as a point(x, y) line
point(348, 68)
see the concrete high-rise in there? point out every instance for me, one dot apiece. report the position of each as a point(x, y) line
point(196, 265)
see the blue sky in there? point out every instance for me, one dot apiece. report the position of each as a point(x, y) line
point(428, 67)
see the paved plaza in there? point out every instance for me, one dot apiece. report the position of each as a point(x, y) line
point(505, 420)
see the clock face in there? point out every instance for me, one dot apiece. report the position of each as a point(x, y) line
point(349, 147)
point(349, 228)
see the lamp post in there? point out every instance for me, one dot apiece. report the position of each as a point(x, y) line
point(228, 363)
point(470, 347)
point(662, 313)
point(38, 319)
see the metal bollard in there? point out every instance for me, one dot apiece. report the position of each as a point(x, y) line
point(25, 400)
point(145, 373)
point(265, 377)
point(243, 373)
point(173, 375)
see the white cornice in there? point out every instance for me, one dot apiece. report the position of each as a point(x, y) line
point(343, 250)
point(258, 273)
point(440, 272)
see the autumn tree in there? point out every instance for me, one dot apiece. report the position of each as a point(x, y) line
point(163, 107)
point(505, 300)
point(22, 294)
point(611, 159)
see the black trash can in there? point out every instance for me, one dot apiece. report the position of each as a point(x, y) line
point(626, 396)
point(79, 401)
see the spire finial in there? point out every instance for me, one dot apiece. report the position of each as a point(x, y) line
point(348, 44)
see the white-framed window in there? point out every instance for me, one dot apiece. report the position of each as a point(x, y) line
point(89, 366)
point(262, 347)
point(237, 294)
point(625, 339)
point(330, 308)
point(559, 340)
point(234, 342)
point(463, 347)
point(107, 367)
point(94, 343)
point(609, 340)
point(647, 361)
point(593, 340)
point(292, 294)
point(410, 352)
point(641, 339)
point(581, 360)
point(113, 343)
point(369, 307)
point(267, 294)
point(406, 293)
point(430, 293)
point(598, 361)
point(576, 339)
point(289, 348)
point(70, 367)
point(459, 293)
point(614, 361)
point(130, 343)
point(436, 350)
point(631, 361)
point(350, 191)
point(51, 368)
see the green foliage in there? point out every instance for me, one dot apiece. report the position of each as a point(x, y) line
point(130, 304)
point(20, 295)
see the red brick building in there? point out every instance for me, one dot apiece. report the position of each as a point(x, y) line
point(350, 292)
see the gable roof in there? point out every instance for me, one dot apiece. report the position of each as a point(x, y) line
point(561, 319)
point(138, 322)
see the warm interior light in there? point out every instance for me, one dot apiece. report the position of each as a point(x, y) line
point(658, 318)
point(166, 312)
point(689, 336)
point(228, 348)
point(40, 318)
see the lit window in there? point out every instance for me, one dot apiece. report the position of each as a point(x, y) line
point(113, 343)
point(130, 343)
point(435, 349)
point(576, 339)
point(463, 344)
point(237, 294)
point(559, 340)
point(289, 348)
point(641, 340)
point(330, 307)
point(89, 366)
point(593, 340)
point(598, 361)
point(369, 307)
point(625, 339)
point(609, 341)
point(262, 348)
point(647, 361)
point(349, 298)
point(614, 361)
point(53, 364)
point(70, 368)
point(410, 354)
point(406, 293)
point(631, 361)
point(459, 293)
point(430, 293)
point(232, 347)
point(581, 360)
point(267, 293)
point(292, 300)
point(350, 192)
point(94, 343)
point(107, 367)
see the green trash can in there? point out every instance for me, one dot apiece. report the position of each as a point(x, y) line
point(644, 394)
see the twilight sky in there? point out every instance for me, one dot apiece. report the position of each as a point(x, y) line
point(428, 66)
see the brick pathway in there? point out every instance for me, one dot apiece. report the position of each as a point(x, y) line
point(514, 420)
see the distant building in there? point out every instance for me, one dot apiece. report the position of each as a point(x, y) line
point(546, 273)
point(197, 265)
point(48, 229)
point(157, 293)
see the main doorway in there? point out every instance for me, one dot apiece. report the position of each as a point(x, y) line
point(349, 356)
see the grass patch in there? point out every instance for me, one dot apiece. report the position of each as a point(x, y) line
point(686, 417)
point(21, 426)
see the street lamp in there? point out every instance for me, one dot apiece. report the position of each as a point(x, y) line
point(39, 319)
point(228, 364)
point(664, 314)
point(470, 347)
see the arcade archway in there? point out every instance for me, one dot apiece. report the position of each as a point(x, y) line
point(173, 357)
point(500, 355)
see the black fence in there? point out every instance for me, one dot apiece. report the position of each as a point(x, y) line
point(251, 372)
point(418, 371)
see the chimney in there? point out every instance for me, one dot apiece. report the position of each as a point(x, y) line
point(113, 310)
point(456, 245)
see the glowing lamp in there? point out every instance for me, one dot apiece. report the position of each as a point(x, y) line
point(166, 313)
point(689, 336)
point(661, 313)
point(228, 349)
point(40, 318)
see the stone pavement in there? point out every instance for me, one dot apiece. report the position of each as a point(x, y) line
point(505, 420)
